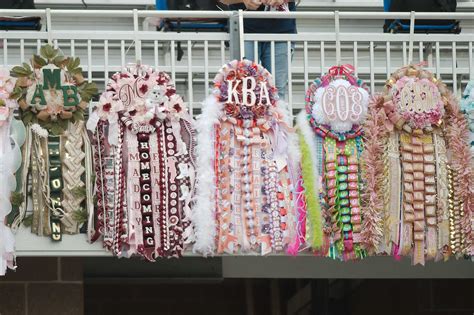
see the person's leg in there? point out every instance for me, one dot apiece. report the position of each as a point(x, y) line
point(281, 68)
point(280, 75)
point(249, 51)
point(265, 55)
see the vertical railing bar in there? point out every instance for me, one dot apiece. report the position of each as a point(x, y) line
point(256, 56)
point(338, 41)
point(429, 55)
point(138, 43)
point(206, 66)
point(155, 53)
point(122, 53)
point(272, 57)
point(49, 26)
point(190, 78)
point(323, 61)
point(355, 58)
point(22, 50)
point(306, 64)
point(5, 52)
point(290, 85)
point(106, 61)
point(372, 75)
point(223, 59)
point(389, 66)
point(412, 33)
point(404, 48)
point(454, 62)
point(235, 32)
point(38, 46)
point(420, 51)
point(173, 61)
point(438, 61)
point(241, 34)
point(73, 48)
point(471, 63)
point(89, 60)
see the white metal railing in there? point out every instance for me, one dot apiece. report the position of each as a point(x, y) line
point(374, 54)
point(107, 40)
point(306, 4)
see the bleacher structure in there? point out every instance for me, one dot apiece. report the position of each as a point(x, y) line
point(106, 40)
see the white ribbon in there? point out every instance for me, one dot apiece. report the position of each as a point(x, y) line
point(181, 146)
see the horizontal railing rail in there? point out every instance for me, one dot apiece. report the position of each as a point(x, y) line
point(105, 48)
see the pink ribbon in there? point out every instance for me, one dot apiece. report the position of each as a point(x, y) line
point(299, 240)
point(346, 70)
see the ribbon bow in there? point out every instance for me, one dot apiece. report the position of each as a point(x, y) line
point(346, 69)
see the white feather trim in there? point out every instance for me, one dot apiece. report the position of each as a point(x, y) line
point(40, 131)
point(282, 107)
point(294, 153)
point(294, 160)
point(309, 137)
point(204, 209)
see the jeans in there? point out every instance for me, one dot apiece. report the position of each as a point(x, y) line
point(264, 56)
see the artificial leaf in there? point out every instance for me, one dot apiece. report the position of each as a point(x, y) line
point(77, 62)
point(58, 60)
point(79, 192)
point(46, 124)
point(38, 61)
point(48, 52)
point(63, 123)
point(16, 198)
point(87, 91)
point(78, 115)
point(20, 72)
point(56, 129)
point(73, 66)
point(27, 67)
point(17, 93)
point(28, 220)
point(80, 215)
point(27, 117)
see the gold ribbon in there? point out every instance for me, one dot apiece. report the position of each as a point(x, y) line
point(441, 189)
point(392, 203)
point(72, 157)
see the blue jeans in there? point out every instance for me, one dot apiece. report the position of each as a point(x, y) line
point(281, 62)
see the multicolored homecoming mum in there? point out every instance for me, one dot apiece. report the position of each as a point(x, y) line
point(246, 170)
point(144, 162)
point(417, 168)
point(330, 220)
point(53, 97)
